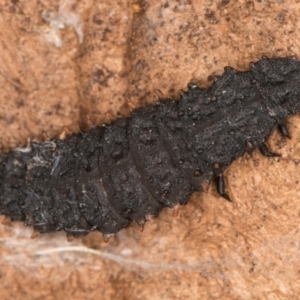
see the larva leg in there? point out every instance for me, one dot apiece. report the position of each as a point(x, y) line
point(284, 130)
point(266, 152)
point(221, 187)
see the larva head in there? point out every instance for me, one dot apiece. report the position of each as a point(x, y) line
point(277, 70)
point(279, 81)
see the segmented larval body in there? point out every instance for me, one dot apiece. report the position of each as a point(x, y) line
point(131, 169)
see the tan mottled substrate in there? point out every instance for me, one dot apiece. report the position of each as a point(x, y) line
point(63, 60)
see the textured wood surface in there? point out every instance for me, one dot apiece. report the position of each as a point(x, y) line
point(63, 60)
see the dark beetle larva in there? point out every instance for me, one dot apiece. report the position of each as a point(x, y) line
point(131, 169)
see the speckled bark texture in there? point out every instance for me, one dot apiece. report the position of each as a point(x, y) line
point(63, 60)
